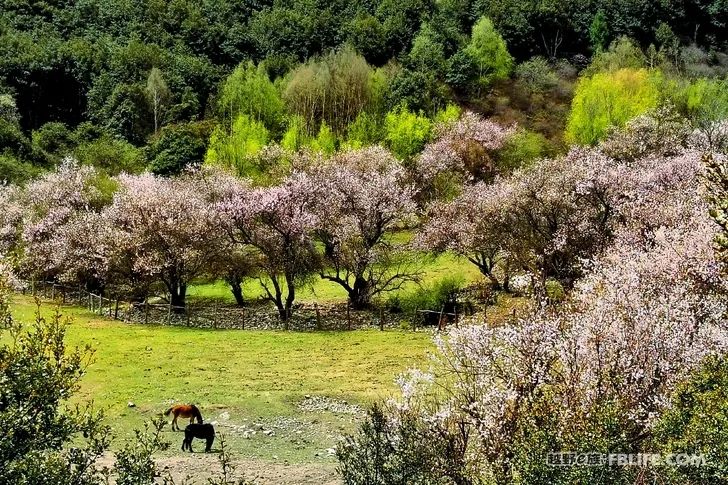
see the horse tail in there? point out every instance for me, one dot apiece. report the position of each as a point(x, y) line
point(168, 411)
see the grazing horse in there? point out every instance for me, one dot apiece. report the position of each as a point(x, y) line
point(201, 431)
point(185, 411)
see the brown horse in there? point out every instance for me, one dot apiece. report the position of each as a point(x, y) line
point(185, 411)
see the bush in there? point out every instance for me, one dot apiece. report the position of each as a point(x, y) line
point(54, 140)
point(110, 154)
point(536, 75)
point(38, 373)
point(15, 171)
point(697, 422)
point(295, 135)
point(609, 99)
point(394, 447)
point(521, 149)
point(237, 148)
point(622, 54)
point(441, 294)
point(365, 130)
point(661, 131)
point(406, 132)
point(177, 147)
point(325, 142)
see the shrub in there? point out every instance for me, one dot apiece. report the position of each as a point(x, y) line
point(441, 294)
point(110, 154)
point(177, 147)
point(536, 75)
point(406, 132)
point(609, 99)
point(295, 135)
point(237, 148)
point(38, 373)
point(15, 171)
point(521, 149)
point(397, 448)
point(325, 141)
point(697, 422)
point(622, 54)
point(54, 140)
point(661, 131)
point(365, 130)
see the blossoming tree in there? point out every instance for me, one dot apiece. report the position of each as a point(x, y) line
point(363, 197)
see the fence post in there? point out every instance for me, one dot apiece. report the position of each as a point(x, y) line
point(32, 287)
point(53, 292)
point(414, 320)
point(243, 319)
point(439, 320)
point(146, 311)
point(169, 313)
point(116, 309)
point(381, 319)
point(318, 316)
point(348, 315)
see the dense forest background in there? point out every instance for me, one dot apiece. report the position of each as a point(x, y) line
point(130, 85)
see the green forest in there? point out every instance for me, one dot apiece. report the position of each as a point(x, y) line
point(130, 86)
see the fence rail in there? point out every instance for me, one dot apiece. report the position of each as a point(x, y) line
point(213, 314)
point(216, 315)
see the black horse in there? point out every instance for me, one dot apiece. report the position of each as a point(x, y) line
point(201, 431)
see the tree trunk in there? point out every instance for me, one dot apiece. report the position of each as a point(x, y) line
point(236, 287)
point(290, 298)
point(177, 297)
point(359, 295)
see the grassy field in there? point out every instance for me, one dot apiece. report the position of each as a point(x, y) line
point(433, 268)
point(240, 379)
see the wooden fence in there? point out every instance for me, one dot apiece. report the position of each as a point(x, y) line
point(206, 314)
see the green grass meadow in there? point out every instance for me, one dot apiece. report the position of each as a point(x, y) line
point(433, 268)
point(253, 376)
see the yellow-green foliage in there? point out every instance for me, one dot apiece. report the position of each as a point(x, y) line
point(248, 91)
point(610, 99)
point(451, 113)
point(365, 130)
point(237, 148)
point(489, 52)
point(295, 136)
point(325, 141)
point(406, 132)
point(707, 99)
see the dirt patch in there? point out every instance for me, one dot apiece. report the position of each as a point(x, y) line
point(197, 467)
